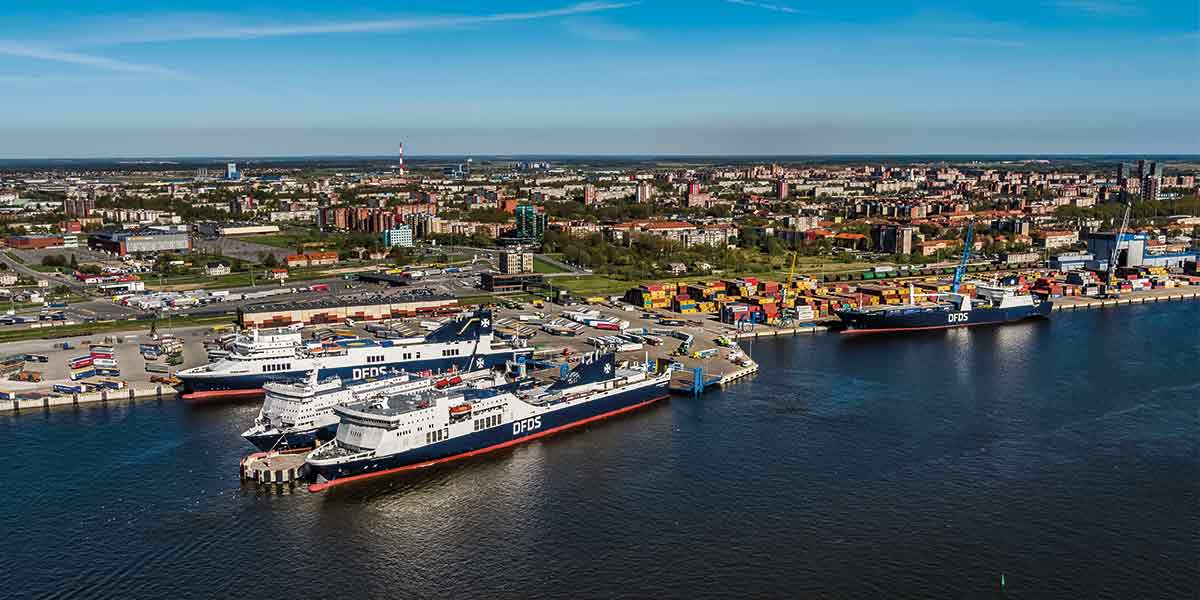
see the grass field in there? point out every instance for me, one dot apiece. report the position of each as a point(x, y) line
point(286, 241)
point(542, 266)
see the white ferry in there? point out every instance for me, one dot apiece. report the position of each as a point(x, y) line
point(410, 431)
point(281, 355)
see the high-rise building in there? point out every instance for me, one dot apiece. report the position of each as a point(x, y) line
point(79, 206)
point(589, 194)
point(241, 205)
point(1150, 173)
point(515, 263)
point(531, 224)
point(896, 239)
point(781, 189)
point(645, 192)
point(231, 172)
point(401, 236)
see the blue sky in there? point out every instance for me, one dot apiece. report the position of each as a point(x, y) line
point(141, 78)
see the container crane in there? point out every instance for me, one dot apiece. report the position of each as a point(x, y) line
point(1110, 282)
point(966, 255)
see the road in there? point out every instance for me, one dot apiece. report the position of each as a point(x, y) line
point(562, 265)
point(21, 269)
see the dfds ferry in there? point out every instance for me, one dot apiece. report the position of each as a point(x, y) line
point(410, 431)
point(298, 415)
point(280, 355)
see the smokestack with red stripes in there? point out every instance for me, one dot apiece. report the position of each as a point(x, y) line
point(401, 167)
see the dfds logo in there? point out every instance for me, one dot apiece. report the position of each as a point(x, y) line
point(367, 372)
point(527, 425)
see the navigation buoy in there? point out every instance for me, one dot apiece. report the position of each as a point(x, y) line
point(1003, 583)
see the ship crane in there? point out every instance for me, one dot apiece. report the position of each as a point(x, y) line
point(964, 301)
point(961, 269)
point(1110, 273)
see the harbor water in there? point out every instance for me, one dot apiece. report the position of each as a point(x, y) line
point(1062, 457)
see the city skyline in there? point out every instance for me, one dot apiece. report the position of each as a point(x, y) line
point(732, 77)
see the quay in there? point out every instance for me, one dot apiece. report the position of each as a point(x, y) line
point(1160, 295)
point(133, 392)
point(695, 381)
point(701, 365)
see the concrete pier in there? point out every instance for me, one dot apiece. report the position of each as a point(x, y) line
point(1160, 295)
point(274, 467)
point(133, 392)
point(768, 331)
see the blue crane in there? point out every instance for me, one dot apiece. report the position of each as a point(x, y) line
point(966, 255)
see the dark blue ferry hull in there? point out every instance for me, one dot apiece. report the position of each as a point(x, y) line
point(490, 439)
point(293, 439)
point(938, 317)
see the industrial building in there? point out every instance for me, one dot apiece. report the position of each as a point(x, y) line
point(246, 229)
point(374, 307)
point(498, 282)
point(139, 241)
point(212, 230)
point(1131, 251)
point(33, 242)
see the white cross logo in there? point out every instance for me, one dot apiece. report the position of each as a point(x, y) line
point(607, 369)
point(479, 363)
point(485, 323)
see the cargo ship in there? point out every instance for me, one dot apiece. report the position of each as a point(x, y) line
point(412, 431)
point(282, 355)
point(995, 304)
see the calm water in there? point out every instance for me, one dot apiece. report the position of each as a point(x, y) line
point(1063, 455)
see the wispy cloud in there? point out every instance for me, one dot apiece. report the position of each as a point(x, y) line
point(600, 30)
point(767, 6)
point(212, 31)
point(1102, 8)
point(87, 60)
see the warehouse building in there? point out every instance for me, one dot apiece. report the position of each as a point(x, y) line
point(373, 307)
point(139, 241)
point(33, 242)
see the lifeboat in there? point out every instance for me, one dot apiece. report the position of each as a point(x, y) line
point(460, 409)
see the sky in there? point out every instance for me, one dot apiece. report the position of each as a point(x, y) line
point(144, 78)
